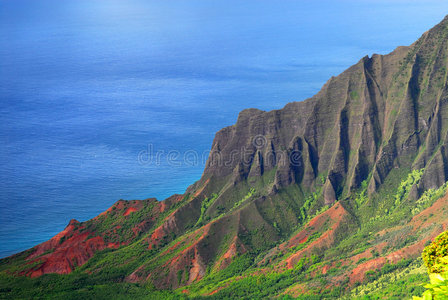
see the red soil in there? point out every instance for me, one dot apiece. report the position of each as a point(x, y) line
point(168, 226)
point(113, 245)
point(74, 246)
point(74, 251)
point(156, 236)
point(191, 258)
point(313, 226)
point(433, 214)
point(135, 276)
point(65, 251)
point(192, 248)
point(129, 211)
point(325, 269)
point(215, 291)
point(235, 248)
point(171, 249)
point(336, 214)
point(198, 269)
point(426, 218)
point(54, 242)
point(368, 253)
point(162, 206)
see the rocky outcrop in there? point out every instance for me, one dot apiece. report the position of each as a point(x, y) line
point(64, 252)
point(78, 242)
point(387, 111)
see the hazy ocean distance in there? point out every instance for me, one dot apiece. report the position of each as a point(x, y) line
point(88, 86)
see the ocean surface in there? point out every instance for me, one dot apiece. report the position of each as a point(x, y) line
point(103, 100)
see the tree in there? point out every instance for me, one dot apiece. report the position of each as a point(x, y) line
point(435, 257)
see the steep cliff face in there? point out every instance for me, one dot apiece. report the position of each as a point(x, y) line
point(375, 116)
point(365, 157)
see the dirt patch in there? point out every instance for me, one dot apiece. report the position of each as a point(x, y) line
point(129, 211)
point(336, 214)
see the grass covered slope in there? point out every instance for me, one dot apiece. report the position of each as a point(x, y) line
point(320, 259)
point(335, 196)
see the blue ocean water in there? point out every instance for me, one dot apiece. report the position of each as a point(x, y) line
point(87, 86)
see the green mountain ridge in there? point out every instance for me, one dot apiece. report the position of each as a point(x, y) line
point(326, 198)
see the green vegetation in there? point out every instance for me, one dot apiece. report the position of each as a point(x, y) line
point(354, 95)
point(76, 287)
point(204, 206)
point(311, 201)
point(400, 284)
point(428, 197)
point(240, 280)
point(435, 257)
point(244, 199)
point(361, 197)
point(386, 269)
point(115, 226)
point(406, 185)
point(436, 254)
point(243, 277)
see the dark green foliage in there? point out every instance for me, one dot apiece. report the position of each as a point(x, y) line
point(76, 287)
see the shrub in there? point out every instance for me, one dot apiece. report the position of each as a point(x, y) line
point(435, 257)
point(434, 254)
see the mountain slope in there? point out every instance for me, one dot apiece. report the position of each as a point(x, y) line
point(310, 199)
